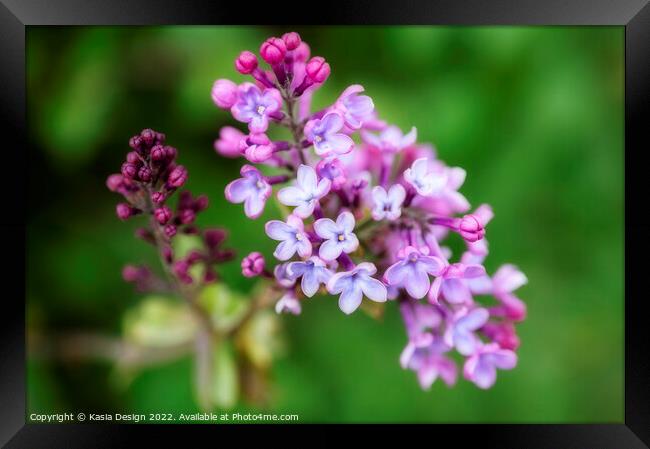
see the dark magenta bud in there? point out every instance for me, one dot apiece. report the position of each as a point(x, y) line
point(132, 273)
point(291, 40)
point(246, 62)
point(194, 257)
point(157, 197)
point(209, 276)
point(273, 50)
point(186, 216)
point(136, 143)
point(167, 254)
point(133, 157)
point(125, 211)
point(177, 177)
point(144, 174)
point(317, 69)
point(114, 182)
point(213, 237)
point(158, 153)
point(201, 203)
point(129, 170)
point(148, 136)
point(170, 152)
point(181, 268)
point(160, 138)
point(170, 230)
point(162, 214)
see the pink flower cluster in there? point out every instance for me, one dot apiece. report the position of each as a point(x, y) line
point(370, 210)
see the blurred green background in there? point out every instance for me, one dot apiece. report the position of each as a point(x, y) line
point(534, 114)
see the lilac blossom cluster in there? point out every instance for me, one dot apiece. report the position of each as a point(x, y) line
point(148, 180)
point(368, 216)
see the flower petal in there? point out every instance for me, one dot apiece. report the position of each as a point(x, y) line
point(330, 250)
point(350, 299)
point(373, 289)
point(238, 190)
point(291, 196)
point(279, 230)
point(326, 228)
point(285, 250)
point(345, 222)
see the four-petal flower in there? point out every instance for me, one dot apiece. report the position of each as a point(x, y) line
point(424, 181)
point(252, 189)
point(481, 367)
point(388, 204)
point(354, 284)
point(254, 106)
point(460, 332)
point(338, 236)
point(325, 135)
point(292, 238)
point(306, 193)
point(413, 270)
point(313, 272)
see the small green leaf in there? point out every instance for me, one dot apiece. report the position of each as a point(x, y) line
point(159, 321)
point(225, 379)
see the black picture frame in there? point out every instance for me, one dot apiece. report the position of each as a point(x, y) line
point(634, 15)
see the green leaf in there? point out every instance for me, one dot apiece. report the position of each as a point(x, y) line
point(225, 379)
point(224, 306)
point(159, 321)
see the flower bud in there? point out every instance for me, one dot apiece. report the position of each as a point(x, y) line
point(170, 230)
point(273, 50)
point(224, 93)
point(125, 211)
point(471, 229)
point(129, 170)
point(228, 142)
point(148, 136)
point(201, 203)
point(132, 273)
point(291, 40)
point(133, 157)
point(162, 214)
point(136, 143)
point(213, 237)
point(246, 62)
point(186, 216)
point(157, 197)
point(144, 174)
point(158, 153)
point(317, 69)
point(170, 153)
point(181, 268)
point(114, 182)
point(302, 53)
point(177, 177)
point(252, 265)
point(160, 138)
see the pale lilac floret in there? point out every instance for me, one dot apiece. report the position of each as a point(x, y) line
point(254, 106)
point(388, 205)
point(288, 304)
point(507, 279)
point(251, 189)
point(460, 331)
point(413, 269)
point(334, 170)
point(338, 236)
point(354, 284)
point(429, 363)
point(481, 367)
point(390, 140)
point(424, 181)
point(355, 109)
point(306, 193)
point(282, 276)
point(292, 238)
point(452, 283)
point(325, 135)
point(419, 320)
point(313, 273)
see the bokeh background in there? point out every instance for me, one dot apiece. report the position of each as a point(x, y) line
point(534, 114)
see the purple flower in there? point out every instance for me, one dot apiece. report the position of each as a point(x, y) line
point(429, 363)
point(424, 182)
point(282, 276)
point(306, 193)
point(325, 135)
point(354, 108)
point(388, 204)
point(288, 304)
point(354, 284)
point(460, 331)
point(338, 236)
point(420, 320)
point(390, 140)
point(333, 170)
point(452, 283)
point(252, 265)
point(313, 272)
point(481, 367)
point(507, 279)
point(252, 190)
point(255, 107)
point(413, 270)
point(292, 238)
